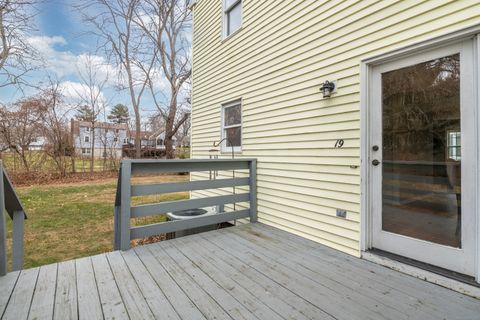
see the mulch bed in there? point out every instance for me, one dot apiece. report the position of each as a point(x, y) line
point(23, 179)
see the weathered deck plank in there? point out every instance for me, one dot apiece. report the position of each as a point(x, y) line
point(66, 304)
point(428, 295)
point(155, 298)
point(21, 298)
point(314, 292)
point(260, 303)
point(322, 274)
point(221, 295)
point(7, 283)
point(135, 303)
point(110, 298)
point(262, 287)
point(185, 308)
point(89, 307)
point(44, 296)
point(246, 272)
point(206, 304)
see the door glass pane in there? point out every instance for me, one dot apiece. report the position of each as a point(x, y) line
point(421, 189)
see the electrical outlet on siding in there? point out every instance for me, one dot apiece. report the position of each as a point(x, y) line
point(341, 213)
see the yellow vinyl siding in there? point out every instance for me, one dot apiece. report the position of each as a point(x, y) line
point(276, 64)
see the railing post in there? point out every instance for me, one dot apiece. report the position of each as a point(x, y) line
point(253, 190)
point(125, 207)
point(18, 231)
point(117, 213)
point(3, 227)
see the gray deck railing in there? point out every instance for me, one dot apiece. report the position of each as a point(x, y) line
point(124, 211)
point(10, 203)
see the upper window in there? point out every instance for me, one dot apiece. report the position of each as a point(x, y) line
point(86, 139)
point(232, 16)
point(232, 127)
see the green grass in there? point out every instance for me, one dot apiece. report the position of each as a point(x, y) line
point(76, 220)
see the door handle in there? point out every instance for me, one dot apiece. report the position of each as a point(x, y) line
point(375, 162)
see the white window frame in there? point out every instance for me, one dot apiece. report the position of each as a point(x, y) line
point(224, 147)
point(366, 66)
point(86, 139)
point(87, 129)
point(225, 11)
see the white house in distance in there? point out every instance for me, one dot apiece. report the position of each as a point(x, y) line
point(151, 139)
point(109, 138)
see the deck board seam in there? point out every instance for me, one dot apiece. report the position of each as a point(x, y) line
point(33, 293)
point(385, 312)
point(10, 295)
point(55, 292)
point(166, 296)
point(76, 289)
point(278, 283)
point(96, 287)
point(156, 284)
point(247, 243)
point(356, 263)
point(137, 284)
point(313, 258)
point(178, 285)
point(206, 316)
point(213, 279)
point(194, 281)
point(116, 285)
point(237, 269)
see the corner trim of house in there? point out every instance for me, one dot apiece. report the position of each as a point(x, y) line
point(366, 64)
point(440, 280)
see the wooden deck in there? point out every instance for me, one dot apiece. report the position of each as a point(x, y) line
point(246, 272)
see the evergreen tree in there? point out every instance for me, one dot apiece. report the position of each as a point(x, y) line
point(119, 114)
point(85, 113)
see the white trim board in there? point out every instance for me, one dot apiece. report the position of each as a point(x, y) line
point(365, 80)
point(416, 272)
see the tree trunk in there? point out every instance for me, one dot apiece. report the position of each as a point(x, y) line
point(138, 141)
point(92, 156)
point(169, 151)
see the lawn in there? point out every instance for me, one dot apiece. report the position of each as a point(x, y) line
point(75, 220)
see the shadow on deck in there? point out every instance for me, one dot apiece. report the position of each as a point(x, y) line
point(246, 272)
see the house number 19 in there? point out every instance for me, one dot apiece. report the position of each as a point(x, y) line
point(339, 143)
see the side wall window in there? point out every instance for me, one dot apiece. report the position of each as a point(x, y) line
point(232, 126)
point(232, 16)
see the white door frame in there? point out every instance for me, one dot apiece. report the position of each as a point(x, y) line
point(365, 81)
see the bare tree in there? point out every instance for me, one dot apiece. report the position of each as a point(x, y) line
point(164, 22)
point(55, 115)
point(17, 56)
point(20, 127)
point(93, 77)
point(125, 46)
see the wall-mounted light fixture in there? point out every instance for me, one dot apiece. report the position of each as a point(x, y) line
point(328, 87)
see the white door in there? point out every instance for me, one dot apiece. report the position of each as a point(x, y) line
point(422, 156)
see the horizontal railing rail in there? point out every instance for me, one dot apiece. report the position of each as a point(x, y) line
point(10, 203)
point(124, 211)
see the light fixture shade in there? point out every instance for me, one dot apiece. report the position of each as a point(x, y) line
point(327, 88)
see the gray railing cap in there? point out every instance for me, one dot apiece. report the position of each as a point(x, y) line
point(12, 203)
point(140, 161)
